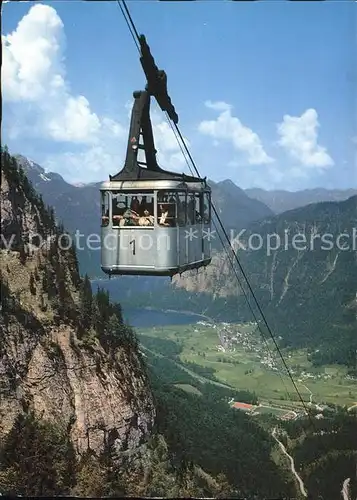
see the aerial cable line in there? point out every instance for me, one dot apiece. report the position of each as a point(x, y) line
point(130, 24)
point(248, 284)
point(178, 142)
point(133, 30)
point(232, 265)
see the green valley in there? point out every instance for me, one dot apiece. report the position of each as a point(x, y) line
point(199, 370)
point(233, 355)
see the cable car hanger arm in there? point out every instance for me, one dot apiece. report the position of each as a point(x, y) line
point(140, 123)
point(156, 80)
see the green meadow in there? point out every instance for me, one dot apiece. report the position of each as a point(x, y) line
point(189, 355)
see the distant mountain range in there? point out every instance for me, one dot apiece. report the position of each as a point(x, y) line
point(237, 207)
point(280, 201)
point(78, 207)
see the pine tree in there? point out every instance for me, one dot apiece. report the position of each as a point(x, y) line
point(75, 273)
point(43, 303)
point(86, 302)
point(115, 330)
point(95, 317)
point(44, 281)
point(91, 477)
point(32, 285)
point(38, 457)
point(52, 218)
point(117, 309)
point(22, 251)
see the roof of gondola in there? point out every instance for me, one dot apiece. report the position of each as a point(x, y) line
point(141, 173)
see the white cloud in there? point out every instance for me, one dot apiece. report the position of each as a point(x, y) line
point(34, 72)
point(40, 104)
point(298, 136)
point(32, 62)
point(218, 106)
point(229, 128)
point(169, 154)
point(93, 164)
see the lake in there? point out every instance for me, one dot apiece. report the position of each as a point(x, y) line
point(126, 291)
point(141, 318)
point(120, 290)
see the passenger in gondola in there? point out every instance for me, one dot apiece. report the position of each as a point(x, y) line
point(163, 216)
point(143, 206)
point(146, 219)
point(135, 205)
point(171, 211)
point(117, 212)
point(191, 211)
point(130, 217)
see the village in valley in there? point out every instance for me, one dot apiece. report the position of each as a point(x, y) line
point(238, 337)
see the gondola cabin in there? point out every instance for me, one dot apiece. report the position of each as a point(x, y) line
point(154, 222)
point(155, 227)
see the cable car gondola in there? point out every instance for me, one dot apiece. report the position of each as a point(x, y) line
point(154, 222)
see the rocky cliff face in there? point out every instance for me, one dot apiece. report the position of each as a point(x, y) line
point(316, 242)
point(68, 373)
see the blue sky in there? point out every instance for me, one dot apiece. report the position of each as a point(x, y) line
point(264, 90)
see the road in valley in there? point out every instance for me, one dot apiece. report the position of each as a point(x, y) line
point(202, 379)
point(311, 395)
point(345, 489)
point(351, 407)
point(292, 464)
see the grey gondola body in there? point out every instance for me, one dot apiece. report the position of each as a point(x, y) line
point(154, 250)
point(160, 248)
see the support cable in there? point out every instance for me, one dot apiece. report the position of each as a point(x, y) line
point(133, 31)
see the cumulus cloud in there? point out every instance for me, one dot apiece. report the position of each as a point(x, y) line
point(92, 164)
point(230, 129)
point(34, 76)
point(169, 154)
point(32, 56)
point(218, 105)
point(40, 103)
point(298, 136)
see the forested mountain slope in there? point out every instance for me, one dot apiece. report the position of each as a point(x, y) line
point(302, 265)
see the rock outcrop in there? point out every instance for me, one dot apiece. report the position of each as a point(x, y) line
point(74, 375)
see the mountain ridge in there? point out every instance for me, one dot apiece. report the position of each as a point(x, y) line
point(282, 200)
point(275, 200)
